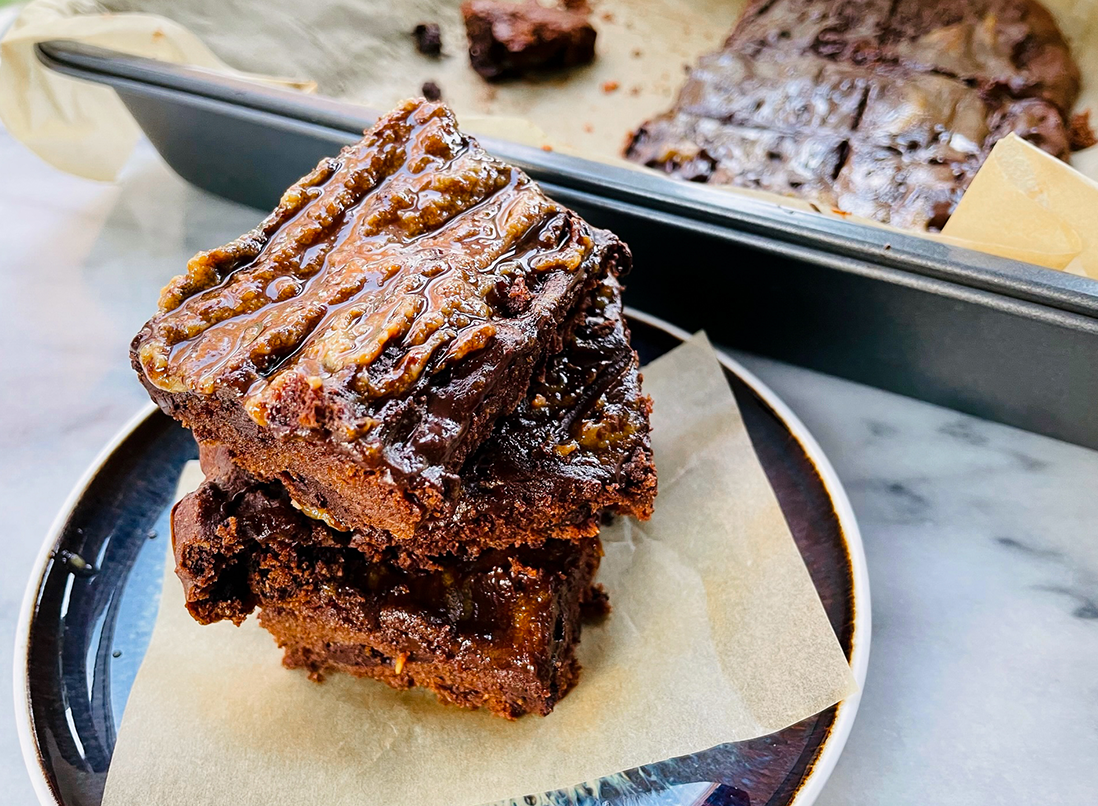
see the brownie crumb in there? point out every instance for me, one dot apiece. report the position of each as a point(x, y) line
point(428, 39)
point(430, 90)
point(596, 605)
point(509, 39)
point(1080, 134)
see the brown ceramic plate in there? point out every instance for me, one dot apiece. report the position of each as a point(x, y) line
point(90, 607)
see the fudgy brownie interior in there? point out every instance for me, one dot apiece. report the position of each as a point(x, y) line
point(498, 631)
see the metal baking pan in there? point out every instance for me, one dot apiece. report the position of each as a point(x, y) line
point(992, 337)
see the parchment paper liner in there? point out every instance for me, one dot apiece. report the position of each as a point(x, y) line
point(717, 635)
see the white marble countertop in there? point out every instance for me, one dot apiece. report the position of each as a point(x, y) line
point(981, 539)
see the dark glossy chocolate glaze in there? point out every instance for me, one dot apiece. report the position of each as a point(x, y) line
point(584, 422)
point(881, 108)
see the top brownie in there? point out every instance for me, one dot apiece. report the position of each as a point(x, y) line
point(577, 447)
point(362, 341)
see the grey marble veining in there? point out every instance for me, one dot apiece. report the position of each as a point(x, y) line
point(981, 539)
point(982, 544)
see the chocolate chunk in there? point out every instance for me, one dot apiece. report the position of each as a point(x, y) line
point(431, 91)
point(428, 39)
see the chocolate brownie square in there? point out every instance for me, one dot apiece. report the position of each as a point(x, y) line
point(498, 631)
point(362, 342)
point(507, 39)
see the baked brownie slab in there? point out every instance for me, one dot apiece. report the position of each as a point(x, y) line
point(703, 150)
point(844, 30)
point(578, 445)
point(362, 341)
point(790, 95)
point(1013, 46)
point(498, 632)
point(882, 108)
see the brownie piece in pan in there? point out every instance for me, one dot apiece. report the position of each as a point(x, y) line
point(363, 340)
point(1012, 47)
point(844, 30)
point(701, 150)
point(882, 108)
point(498, 631)
point(577, 446)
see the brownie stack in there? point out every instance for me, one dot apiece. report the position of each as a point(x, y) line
point(881, 108)
point(415, 400)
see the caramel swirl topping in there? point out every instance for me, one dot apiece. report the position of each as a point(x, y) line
point(399, 258)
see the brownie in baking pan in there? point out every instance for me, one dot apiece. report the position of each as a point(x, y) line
point(881, 108)
point(498, 631)
point(363, 341)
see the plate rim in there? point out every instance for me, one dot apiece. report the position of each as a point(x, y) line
point(846, 710)
point(24, 719)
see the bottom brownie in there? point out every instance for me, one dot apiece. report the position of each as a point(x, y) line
point(498, 631)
